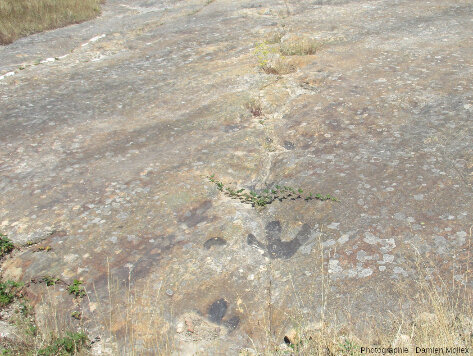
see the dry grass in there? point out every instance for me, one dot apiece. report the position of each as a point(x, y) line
point(440, 320)
point(271, 53)
point(135, 318)
point(300, 46)
point(441, 317)
point(20, 18)
point(278, 66)
point(41, 331)
point(131, 318)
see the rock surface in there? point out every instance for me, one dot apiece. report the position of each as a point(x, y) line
point(108, 133)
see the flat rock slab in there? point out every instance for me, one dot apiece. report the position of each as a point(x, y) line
point(105, 149)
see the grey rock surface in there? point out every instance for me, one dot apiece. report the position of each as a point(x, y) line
point(108, 133)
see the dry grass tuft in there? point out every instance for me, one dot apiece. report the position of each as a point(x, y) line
point(274, 37)
point(278, 66)
point(300, 46)
point(271, 53)
point(19, 18)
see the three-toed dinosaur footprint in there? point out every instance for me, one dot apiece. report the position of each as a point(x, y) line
point(275, 247)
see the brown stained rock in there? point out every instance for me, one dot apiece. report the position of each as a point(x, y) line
point(110, 147)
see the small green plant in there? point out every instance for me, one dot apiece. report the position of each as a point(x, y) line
point(6, 246)
point(49, 280)
point(263, 52)
point(76, 289)
point(6, 352)
point(349, 348)
point(270, 60)
point(69, 344)
point(44, 249)
point(76, 315)
point(267, 196)
point(8, 291)
point(25, 309)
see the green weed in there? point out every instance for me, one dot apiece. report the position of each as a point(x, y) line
point(267, 196)
point(270, 60)
point(349, 348)
point(49, 280)
point(44, 249)
point(70, 344)
point(76, 289)
point(6, 246)
point(8, 291)
point(76, 315)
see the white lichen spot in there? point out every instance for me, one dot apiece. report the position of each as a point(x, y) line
point(371, 239)
point(333, 226)
point(365, 272)
point(328, 243)
point(344, 238)
point(400, 270)
point(70, 258)
point(333, 266)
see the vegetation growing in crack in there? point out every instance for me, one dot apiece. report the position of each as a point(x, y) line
point(70, 344)
point(267, 196)
point(300, 46)
point(76, 289)
point(50, 281)
point(76, 315)
point(9, 290)
point(349, 348)
point(6, 246)
point(271, 53)
point(43, 248)
point(270, 60)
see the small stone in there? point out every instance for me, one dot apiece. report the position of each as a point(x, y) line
point(169, 292)
point(180, 327)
